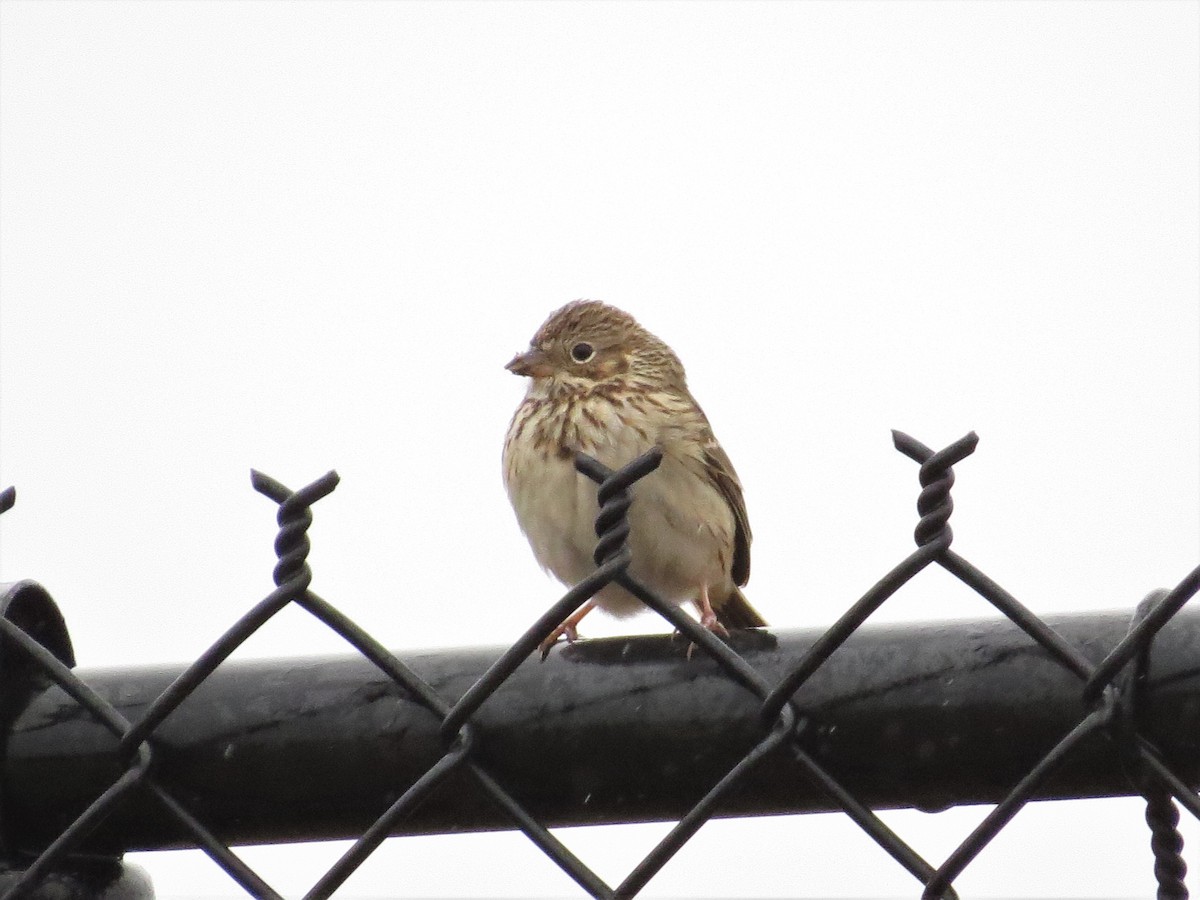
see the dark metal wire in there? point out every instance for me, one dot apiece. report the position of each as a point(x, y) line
point(1108, 697)
point(1166, 843)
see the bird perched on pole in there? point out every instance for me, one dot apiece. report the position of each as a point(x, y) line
point(603, 385)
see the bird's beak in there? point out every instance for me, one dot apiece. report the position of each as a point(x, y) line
point(532, 363)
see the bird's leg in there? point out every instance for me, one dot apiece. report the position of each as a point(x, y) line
point(708, 618)
point(569, 628)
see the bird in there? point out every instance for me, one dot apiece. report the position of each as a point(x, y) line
point(601, 384)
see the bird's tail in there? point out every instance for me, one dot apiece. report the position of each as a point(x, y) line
point(736, 612)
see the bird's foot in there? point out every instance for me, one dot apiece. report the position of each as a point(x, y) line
point(566, 629)
point(708, 618)
point(709, 622)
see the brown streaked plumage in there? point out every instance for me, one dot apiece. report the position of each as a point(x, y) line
point(602, 384)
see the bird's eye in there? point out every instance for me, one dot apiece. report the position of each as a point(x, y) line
point(582, 352)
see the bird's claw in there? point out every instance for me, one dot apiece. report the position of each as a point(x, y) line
point(711, 624)
point(566, 629)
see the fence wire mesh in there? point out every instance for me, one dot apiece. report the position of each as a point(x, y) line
point(1109, 695)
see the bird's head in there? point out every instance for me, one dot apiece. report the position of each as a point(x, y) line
point(588, 342)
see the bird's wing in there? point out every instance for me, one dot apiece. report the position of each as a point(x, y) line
point(720, 470)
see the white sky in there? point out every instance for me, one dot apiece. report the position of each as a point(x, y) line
point(307, 236)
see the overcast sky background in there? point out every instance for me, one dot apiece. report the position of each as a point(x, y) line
point(308, 236)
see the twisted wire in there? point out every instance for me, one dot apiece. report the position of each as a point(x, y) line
point(1166, 843)
point(1162, 815)
point(294, 518)
point(614, 499)
point(936, 477)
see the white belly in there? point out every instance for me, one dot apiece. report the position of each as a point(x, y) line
point(681, 528)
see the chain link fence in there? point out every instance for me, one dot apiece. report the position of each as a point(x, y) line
point(1111, 696)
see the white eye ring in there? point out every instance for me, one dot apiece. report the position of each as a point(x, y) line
point(582, 352)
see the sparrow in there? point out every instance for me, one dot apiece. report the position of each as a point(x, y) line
point(601, 384)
